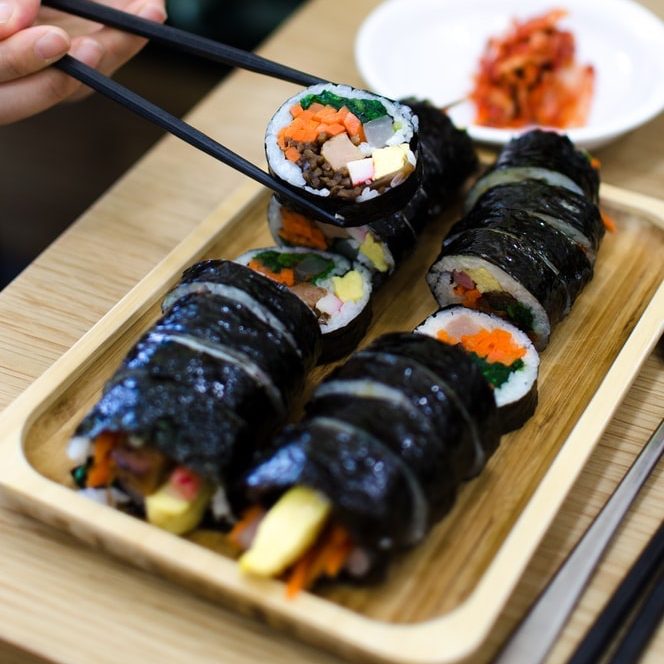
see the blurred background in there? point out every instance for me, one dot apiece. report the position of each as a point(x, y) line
point(50, 165)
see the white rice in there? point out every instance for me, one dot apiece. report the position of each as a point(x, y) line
point(290, 172)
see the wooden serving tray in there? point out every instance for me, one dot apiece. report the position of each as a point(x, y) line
point(438, 601)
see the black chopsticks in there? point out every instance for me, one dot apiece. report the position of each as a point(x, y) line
point(182, 40)
point(646, 576)
point(187, 133)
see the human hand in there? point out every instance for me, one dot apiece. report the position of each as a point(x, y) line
point(33, 37)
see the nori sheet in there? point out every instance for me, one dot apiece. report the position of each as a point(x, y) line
point(555, 152)
point(410, 436)
point(226, 323)
point(519, 261)
point(369, 488)
point(539, 198)
point(294, 314)
point(459, 376)
point(572, 263)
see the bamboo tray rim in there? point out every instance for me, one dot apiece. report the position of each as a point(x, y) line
point(446, 638)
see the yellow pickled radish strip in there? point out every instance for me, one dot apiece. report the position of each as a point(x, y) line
point(288, 529)
point(167, 510)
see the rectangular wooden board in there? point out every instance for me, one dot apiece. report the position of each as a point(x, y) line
point(438, 601)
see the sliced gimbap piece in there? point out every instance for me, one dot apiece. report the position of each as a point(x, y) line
point(486, 271)
point(568, 212)
point(504, 353)
point(268, 300)
point(348, 150)
point(336, 290)
point(558, 254)
point(540, 155)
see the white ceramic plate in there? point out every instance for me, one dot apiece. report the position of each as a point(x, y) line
point(431, 49)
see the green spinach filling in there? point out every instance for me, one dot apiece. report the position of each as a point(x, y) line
point(364, 109)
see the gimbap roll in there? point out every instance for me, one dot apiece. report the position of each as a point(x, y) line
point(504, 353)
point(378, 458)
point(349, 150)
point(336, 290)
point(177, 419)
point(540, 155)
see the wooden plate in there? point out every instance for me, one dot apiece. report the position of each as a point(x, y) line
point(440, 600)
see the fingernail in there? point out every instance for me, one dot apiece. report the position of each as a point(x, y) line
point(153, 12)
point(6, 11)
point(89, 52)
point(51, 45)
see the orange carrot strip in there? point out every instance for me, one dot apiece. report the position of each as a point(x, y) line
point(470, 296)
point(100, 474)
point(337, 558)
point(331, 129)
point(609, 223)
point(298, 230)
point(285, 276)
point(296, 110)
point(248, 518)
point(496, 345)
point(292, 154)
point(297, 579)
point(443, 336)
point(352, 124)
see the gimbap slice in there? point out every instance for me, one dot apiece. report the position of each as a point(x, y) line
point(399, 425)
point(568, 212)
point(504, 353)
point(540, 155)
point(557, 252)
point(268, 300)
point(349, 150)
point(338, 292)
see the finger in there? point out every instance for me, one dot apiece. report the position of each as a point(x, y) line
point(118, 46)
point(31, 50)
point(32, 94)
point(16, 15)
